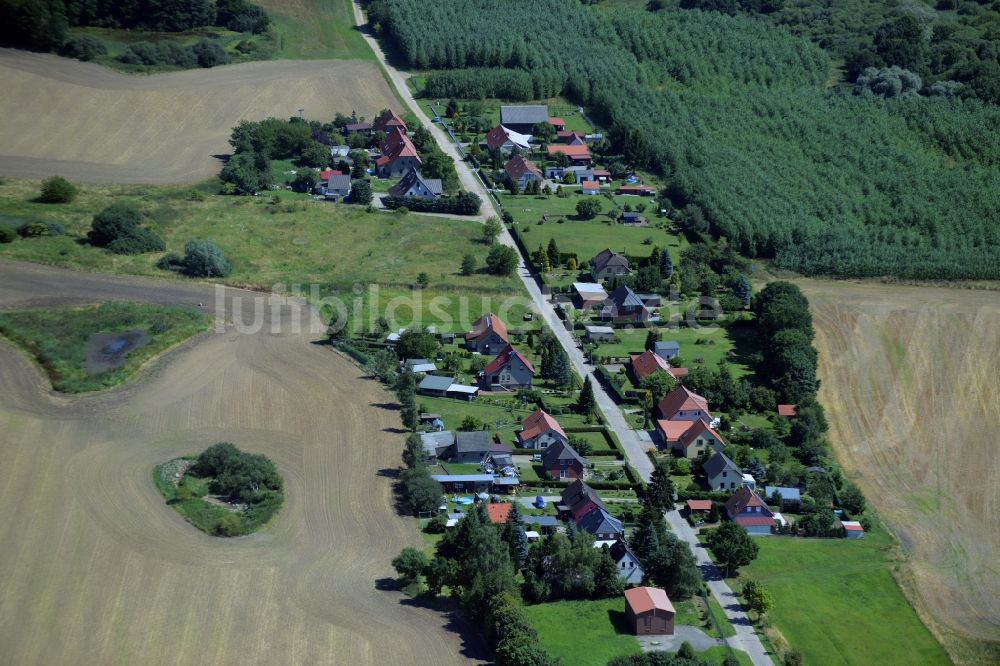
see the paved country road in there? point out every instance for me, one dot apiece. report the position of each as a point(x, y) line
point(634, 442)
point(96, 569)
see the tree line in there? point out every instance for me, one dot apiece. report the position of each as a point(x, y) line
point(735, 115)
point(44, 25)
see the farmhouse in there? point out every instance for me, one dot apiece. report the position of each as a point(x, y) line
point(649, 611)
point(521, 171)
point(509, 370)
point(721, 473)
point(624, 306)
point(335, 185)
point(524, 117)
point(576, 154)
point(399, 155)
point(629, 567)
point(749, 511)
point(561, 461)
point(601, 524)
point(389, 121)
point(607, 264)
point(587, 295)
point(667, 350)
point(646, 363)
point(697, 439)
point(415, 185)
point(505, 140)
point(600, 333)
point(539, 431)
point(488, 334)
point(683, 404)
point(577, 500)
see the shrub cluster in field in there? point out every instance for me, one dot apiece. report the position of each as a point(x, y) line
point(249, 480)
point(757, 149)
point(44, 25)
point(58, 338)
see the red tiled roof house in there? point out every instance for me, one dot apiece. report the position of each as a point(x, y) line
point(749, 511)
point(539, 431)
point(488, 334)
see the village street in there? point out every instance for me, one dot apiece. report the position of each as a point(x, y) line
point(634, 442)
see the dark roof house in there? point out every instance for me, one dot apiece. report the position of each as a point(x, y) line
point(413, 184)
point(623, 305)
point(578, 499)
point(607, 264)
point(601, 524)
point(561, 461)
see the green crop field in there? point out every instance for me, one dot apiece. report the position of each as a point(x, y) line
point(311, 29)
point(836, 602)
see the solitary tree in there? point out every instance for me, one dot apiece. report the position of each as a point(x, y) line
point(204, 258)
point(742, 291)
point(553, 253)
point(660, 491)
point(758, 598)
point(732, 546)
point(492, 229)
point(468, 264)
point(586, 403)
point(652, 337)
point(501, 260)
point(361, 192)
point(410, 564)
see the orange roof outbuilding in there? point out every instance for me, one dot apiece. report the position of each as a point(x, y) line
point(645, 599)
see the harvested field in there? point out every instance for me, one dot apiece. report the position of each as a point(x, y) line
point(95, 568)
point(93, 124)
point(912, 389)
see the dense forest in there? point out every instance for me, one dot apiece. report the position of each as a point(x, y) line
point(739, 118)
point(955, 43)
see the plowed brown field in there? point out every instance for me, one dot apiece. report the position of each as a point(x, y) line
point(92, 124)
point(911, 384)
point(96, 569)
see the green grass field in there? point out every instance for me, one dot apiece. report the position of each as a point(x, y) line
point(58, 338)
point(296, 241)
point(588, 237)
point(594, 632)
point(837, 602)
point(583, 632)
point(316, 29)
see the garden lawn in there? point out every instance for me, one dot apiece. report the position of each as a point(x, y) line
point(583, 632)
point(836, 601)
point(721, 342)
point(586, 238)
point(58, 338)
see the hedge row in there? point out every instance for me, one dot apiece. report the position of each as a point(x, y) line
point(464, 203)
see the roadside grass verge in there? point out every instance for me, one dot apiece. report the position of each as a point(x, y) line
point(58, 339)
point(836, 601)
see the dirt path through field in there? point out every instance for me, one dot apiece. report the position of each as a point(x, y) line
point(911, 384)
point(93, 124)
point(95, 568)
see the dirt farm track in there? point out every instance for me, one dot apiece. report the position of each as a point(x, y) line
point(96, 569)
point(911, 384)
point(93, 124)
